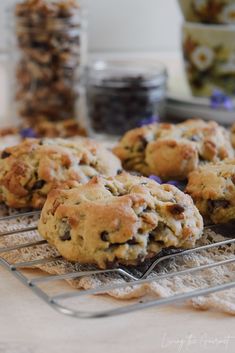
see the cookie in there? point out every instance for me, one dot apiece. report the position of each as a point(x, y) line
point(31, 169)
point(64, 129)
point(212, 188)
point(172, 151)
point(232, 135)
point(119, 220)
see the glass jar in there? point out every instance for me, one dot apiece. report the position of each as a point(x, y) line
point(6, 118)
point(120, 94)
point(51, 39)
point(5, 98)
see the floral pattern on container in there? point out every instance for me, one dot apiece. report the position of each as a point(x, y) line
point(209, 11)
point(209, 67)
point(228, 14)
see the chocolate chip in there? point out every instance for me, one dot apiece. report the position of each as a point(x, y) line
point(104, 235)
point(118, 104)
point(111, 264)
point(152, 236)
point(132, 241)
point(195, 138)
point(5, 154)
point(108, 188)
point(159, 229)
point(38, 185)
point(141, 258)
point(175, 209)
point(147, 209)
point(143, 144)
point(212, 204)
point(66, 236)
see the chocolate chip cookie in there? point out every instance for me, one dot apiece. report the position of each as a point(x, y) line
point(119, 220)
point(31, 169)
point(212, 188)
point(232, 135)
point(172, 151)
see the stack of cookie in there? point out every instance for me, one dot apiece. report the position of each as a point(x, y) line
point(95, 212)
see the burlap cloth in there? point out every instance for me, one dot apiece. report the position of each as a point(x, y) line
point(221, 301)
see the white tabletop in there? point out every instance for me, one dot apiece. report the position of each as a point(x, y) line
point(28, 325)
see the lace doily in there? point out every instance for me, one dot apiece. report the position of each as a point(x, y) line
point(222, 301)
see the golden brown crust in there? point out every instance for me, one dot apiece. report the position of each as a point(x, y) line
point(232, 135)
point(31, 169)
point(118, 220)
point(63, 129)
point(212, 188)
point(173, 151)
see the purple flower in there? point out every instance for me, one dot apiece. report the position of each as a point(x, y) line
point(27, 133)
point(219, 99)
point(156, 178)
point(147, 121)
point(173, 182)
point(170, 182)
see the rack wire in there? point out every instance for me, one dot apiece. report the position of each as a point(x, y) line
point(41, 284)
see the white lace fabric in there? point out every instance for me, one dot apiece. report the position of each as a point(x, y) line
point(158, 288)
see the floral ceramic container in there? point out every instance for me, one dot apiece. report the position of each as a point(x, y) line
point(209, 57)
point(209, 11)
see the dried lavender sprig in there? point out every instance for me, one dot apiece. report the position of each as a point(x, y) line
point(220, 100)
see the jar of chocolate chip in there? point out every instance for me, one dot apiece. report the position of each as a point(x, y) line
point(51, 40)
point(122, 95)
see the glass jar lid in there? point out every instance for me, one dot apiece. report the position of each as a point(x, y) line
point(123, 73)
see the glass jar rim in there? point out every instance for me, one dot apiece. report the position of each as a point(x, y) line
point(121, 73)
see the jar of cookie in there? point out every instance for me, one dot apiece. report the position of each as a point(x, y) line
point(50, 37)
point(123, 94)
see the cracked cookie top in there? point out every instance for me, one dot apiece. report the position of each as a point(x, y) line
point(212, 188)
point(119, 220)
point(31, 169)
point(172, 151)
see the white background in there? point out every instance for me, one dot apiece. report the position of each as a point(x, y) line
point(127, 25)
point(134, 25)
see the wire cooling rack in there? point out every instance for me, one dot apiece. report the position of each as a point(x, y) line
point(73, 302)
